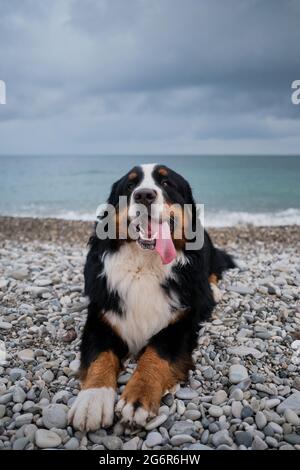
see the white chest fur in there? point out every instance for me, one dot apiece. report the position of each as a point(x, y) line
point(137, 276)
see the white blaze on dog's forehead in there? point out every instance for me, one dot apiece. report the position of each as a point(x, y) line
point(148, 181)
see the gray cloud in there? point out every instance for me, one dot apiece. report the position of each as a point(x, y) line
point(161, 76)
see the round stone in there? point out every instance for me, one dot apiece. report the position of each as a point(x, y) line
point(237, 373)
point(153, 439)
point(2, 411)
point(247, 412)
point(55, 416)
point(291, 417)
point(72, 444)
point(48, 376)
point(132, 444)
point(243, 438)
point(180, 439)
point(236, 409)
point(19, 396)
point(21, 443)
point(26, 355)
point(186, 394)
point(46, 439)
point(192, 414)
point(221, 437)
point(215, 411)
point(156, 422)
point(25, 418)
point(199, 447)
point(237, 394)
point(4, 325)
point(219, 397)
point(168, 399)
point(259, 444)
point(182, 427)
point(293, 438)
point(112, 442)
point(75, 365)
point(260, 420)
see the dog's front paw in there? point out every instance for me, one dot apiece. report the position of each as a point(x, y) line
point(133, 413)
point(93, 409)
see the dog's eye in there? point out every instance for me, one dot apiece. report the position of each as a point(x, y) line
point(165, 183)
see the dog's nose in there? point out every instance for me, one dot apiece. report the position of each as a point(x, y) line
point(145, 196)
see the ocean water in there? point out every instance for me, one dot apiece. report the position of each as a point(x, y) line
point(262, 190)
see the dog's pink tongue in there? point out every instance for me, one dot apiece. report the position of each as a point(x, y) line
point(164, 243)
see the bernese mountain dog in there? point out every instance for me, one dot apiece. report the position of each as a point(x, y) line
point(148, 295)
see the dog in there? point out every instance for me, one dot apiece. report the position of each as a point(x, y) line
point(148, 296)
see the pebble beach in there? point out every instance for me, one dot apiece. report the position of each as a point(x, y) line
point(244, 392)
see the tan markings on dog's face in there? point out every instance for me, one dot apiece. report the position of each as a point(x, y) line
point(133, 175)
point(151, 379)
point(163, 172)
point(102, 372)
point(183, 219)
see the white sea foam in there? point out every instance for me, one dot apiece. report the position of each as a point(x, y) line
point(229, 219)
point(221, 218)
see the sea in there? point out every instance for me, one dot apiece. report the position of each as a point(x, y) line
point(234, 189)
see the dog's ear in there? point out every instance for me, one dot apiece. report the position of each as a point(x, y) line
point(115, 192)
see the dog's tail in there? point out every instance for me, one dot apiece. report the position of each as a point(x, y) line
point(220, 262)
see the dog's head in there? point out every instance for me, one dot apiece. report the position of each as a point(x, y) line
point(154, 206)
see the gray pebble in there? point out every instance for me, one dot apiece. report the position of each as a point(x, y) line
point(221, 437)
point(55, 416)
point(244, 438)
point(260, 420)
point(180, 439)
point(25, 418)
point(236, 409)
point(258, 444)
point(2, 411)
point(132, 444)
point(292, 438)
point(182, 427)
point(199, 447)
point(168, 399)
point(215, 411)
point(153, 439)
point(21, 443)
point(186, 394)
point(192, 414)
point(156, 422)
point(290, 416)
point(112, 442)
point(46, 439)
point(72, 444)
point(219, 397)
point(237, 373)
point(247, 412)
point(19, 396)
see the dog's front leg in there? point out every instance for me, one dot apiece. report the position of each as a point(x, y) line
point(101, 354)
point(164, 363)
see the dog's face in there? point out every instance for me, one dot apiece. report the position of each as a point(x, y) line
point(155, 197)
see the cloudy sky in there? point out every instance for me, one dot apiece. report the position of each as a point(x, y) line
point(149, 76)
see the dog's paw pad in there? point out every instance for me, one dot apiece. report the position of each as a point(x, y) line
point(93, 409)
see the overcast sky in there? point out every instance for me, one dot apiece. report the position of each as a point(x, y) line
point(149, 76)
